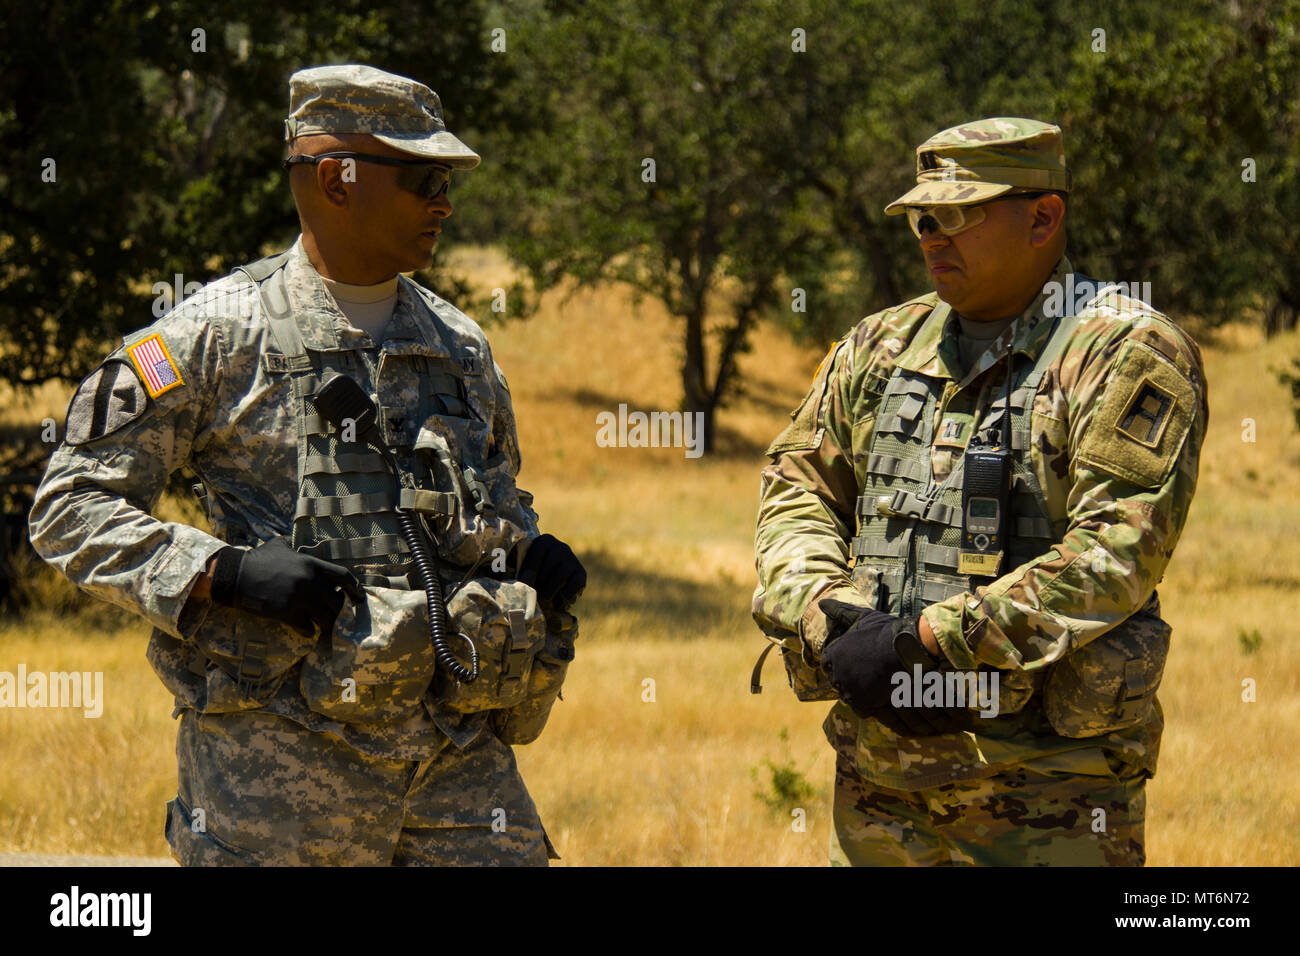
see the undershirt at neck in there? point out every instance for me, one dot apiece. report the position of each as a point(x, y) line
point(367, 307)
point(976, 336)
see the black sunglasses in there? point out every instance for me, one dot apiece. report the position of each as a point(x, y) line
point(426, 179)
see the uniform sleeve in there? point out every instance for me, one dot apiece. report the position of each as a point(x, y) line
point(807, 498)
point(91, 517)
point(1137, 418)
point(505, 438)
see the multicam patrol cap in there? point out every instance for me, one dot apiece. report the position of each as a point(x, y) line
point(351, 98)
point(985, 159)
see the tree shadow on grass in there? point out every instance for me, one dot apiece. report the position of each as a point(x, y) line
point(661, 604)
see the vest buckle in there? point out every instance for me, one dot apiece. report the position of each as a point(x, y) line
point(901, 504)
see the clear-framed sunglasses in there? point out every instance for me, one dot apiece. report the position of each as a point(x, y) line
point(951, 220)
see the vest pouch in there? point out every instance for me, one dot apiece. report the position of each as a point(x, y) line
point(880, 588)
point(523, 723)
point(377, 665)
point(1016, 689)
point(807, 680)
point(486, 513)
point(246, 658)
point(508, 630)
point(1110, 683)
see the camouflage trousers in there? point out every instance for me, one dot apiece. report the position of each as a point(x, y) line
point(1018, 817)
point(272, 792)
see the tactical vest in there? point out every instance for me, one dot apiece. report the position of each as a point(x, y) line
point(909, 526)
point(379, 664)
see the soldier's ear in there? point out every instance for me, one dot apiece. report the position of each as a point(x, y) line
point(1048, 219)
point(331, 182)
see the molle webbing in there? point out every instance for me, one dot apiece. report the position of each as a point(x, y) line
point(348, 497)
point(910, 531)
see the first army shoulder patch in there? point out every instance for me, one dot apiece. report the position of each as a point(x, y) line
point(154, 363)
point(1145, 414)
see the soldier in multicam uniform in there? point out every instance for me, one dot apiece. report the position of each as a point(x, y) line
point(872, 584)
point(318, 725)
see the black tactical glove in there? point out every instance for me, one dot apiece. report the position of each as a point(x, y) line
point(864, 649)
point(552, 569)
point(275, 581)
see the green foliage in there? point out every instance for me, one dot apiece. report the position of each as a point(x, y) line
point(1157, 131)
point(786, 787)
point(1291, 378)
point(772, 163)
point(168, 159)
point(773, 166)
point(650, 165)
point(1250, 640)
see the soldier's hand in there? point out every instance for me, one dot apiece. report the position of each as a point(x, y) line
point(552, 569)
point(275, 581)
point(858, 656)
point(860, 660)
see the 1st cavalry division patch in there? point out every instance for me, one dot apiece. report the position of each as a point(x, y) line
point(155, 365)
point(109, 398)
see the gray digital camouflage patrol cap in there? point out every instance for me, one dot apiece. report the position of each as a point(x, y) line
point(984, 159)
point(351, 98)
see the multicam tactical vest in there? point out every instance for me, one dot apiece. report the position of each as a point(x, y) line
point(379, 663)
point(909, 525)
point(909, 528)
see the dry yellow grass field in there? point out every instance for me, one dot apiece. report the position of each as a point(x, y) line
point(621, 779)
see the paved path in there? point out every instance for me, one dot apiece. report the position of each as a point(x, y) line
point(62, 859)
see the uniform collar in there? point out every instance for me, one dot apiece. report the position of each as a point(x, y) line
point(325, 328)
point(933, 352)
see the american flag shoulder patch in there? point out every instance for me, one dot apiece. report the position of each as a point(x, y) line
point(154, 363)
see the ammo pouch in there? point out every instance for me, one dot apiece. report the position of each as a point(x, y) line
point(507, 627)
point(377, 665)
point(1109, 683)
point(523, 723)
point(244, 658)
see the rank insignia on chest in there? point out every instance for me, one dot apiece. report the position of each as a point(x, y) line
point(952, 433)
point(154, 363)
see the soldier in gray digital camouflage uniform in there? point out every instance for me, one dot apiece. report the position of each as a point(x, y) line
point(1083, 410)
point(318, 725)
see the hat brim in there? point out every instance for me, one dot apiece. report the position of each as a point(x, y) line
point(442, 146)
point(946, 193)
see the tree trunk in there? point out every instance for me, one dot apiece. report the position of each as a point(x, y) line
point(699, 397)
point(881, 265)
point(1281, 317)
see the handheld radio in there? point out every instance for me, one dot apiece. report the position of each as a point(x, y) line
point(986, 499)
